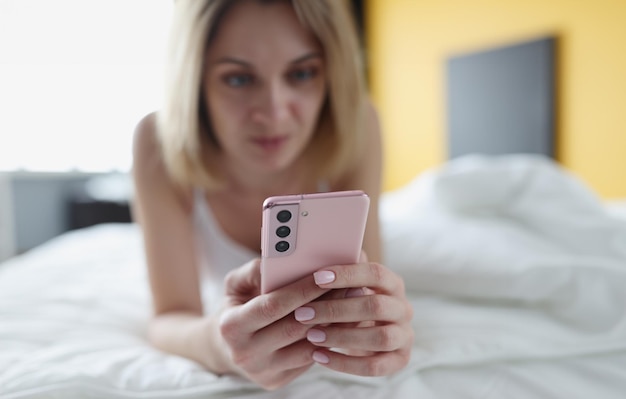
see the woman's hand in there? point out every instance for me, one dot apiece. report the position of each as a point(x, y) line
point(261, 339)
point(381, 343)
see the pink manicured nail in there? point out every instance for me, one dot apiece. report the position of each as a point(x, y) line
point(316, 335)
point(320, 357)
point(304, 314)
point(324, 277)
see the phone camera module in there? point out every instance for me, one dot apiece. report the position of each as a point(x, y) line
point(283, 231)
point(284, 216)
point(282, 246)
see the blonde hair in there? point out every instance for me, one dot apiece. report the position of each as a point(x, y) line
point(184, 130)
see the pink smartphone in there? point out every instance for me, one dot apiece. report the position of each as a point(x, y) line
point(303, 233)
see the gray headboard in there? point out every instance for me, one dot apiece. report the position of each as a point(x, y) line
point(502, 100)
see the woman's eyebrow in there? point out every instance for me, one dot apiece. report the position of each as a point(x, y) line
point(230, 60)
point(246, 64)
point(306, 57)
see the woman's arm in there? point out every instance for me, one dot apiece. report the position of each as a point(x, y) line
point(163, 212)
point(251, 335)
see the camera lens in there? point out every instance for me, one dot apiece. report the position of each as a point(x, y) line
point(283, 231)
point(282, 246)
point(283, 216)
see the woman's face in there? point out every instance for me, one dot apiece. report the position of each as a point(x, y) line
point(265, 85)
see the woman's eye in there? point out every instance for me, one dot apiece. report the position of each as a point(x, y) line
point(300, 75)
point(238, 80)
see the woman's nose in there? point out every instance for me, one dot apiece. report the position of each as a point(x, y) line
point(274, 105)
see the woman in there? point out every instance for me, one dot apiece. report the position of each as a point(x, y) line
point(263, 98)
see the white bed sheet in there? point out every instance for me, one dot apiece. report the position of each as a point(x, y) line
point(515, 269)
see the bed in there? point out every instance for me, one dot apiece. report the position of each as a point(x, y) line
point(516, 271)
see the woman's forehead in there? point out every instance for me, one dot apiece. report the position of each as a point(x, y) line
point(256, 32)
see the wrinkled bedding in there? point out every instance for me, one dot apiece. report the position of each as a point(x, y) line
point(515, 269)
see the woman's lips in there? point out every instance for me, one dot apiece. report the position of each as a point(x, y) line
point(270, 143)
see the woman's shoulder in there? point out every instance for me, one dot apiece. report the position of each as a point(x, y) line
point(145, 135)
point(147, 158)
point(149, 170)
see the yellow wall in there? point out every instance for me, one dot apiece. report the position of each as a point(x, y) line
point(409, 41)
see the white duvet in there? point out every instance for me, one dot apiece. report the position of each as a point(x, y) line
point(516, 271)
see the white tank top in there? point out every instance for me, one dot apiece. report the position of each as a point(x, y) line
point(217, 252)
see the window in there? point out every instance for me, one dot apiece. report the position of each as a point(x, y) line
point(75, 78)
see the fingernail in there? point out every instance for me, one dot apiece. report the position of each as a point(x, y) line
point(320, 357)
point(324, 277)
point(304, 314)
point(354, 292)
point(314, 335)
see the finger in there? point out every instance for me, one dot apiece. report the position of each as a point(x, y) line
point(369, 274)
point(243, 281)
point(263, 310)
point(382, 338)
point(344, 293)
point(378, 364)
point(340, 294)
point(297, 355)
point(280, 334)
point(259, 362)
point(365, 308)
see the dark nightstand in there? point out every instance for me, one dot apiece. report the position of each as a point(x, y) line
point(99, 201)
